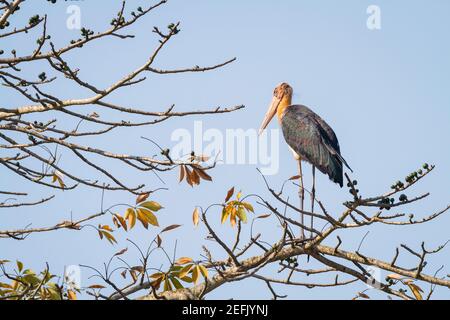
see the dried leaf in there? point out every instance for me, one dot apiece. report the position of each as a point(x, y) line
point(189, 177)
point(142, 197)
point(263, 216)
point(121, 252)
point(195, 177)
point(158, 241)
point(363, 295)
point(171, 227)
point(229, 194)
point(96, 286)
point(295, 177)
point(182, 173)
point(202, 174)
point(195, 217)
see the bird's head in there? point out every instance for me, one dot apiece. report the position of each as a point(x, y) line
point(282, 97)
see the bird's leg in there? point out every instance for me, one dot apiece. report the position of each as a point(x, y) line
point(313, 196)
point(301, 194)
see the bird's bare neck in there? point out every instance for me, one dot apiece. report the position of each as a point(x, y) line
point(285, 102)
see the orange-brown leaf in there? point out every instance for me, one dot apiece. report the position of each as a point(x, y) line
point(182, 172)
point(142, 197)
point(183, 260)
point(195, 177)
point(195, 217)
point(202, 174)
point(71, 295)
point(229, 194)
point(171, 227)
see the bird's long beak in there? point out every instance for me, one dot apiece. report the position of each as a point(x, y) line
point(270, 113)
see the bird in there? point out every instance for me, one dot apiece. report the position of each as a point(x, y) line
point(310, 139)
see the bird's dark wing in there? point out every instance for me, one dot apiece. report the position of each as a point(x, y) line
point(313, 140)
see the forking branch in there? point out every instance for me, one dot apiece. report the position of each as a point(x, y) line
point(39, 150)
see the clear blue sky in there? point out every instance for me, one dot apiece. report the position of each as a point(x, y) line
point(384, 92)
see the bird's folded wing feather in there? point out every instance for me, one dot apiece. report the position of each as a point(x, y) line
point(313, 140)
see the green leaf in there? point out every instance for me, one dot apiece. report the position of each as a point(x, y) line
point(248, 206)
point(19, 266)
point(242, 215)
point(176, 283)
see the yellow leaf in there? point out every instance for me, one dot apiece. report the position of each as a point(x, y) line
point(130, 215)
point(167, 285)
point(242, 215)
point(122, 221)
point(416, 290)
point(225, 214)
point(195, 273)
point(238, 196)
point(109, 237)
point(106, 227)
point(141, 216)
point(195, 217)
point(248, 206)
point(233, 217)
point(149, 216)
point(203, 270)
point(71, 295)
point(184, 271)
point(183, 260)
point(157, 275)
point(151, 205)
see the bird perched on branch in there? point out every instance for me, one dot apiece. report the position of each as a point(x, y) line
point(310, 139)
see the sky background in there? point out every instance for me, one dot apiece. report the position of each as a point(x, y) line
point(384, 92)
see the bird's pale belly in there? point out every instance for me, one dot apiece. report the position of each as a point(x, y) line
point(296, 156)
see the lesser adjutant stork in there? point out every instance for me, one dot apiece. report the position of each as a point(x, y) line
point(309, 137)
